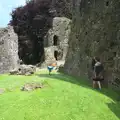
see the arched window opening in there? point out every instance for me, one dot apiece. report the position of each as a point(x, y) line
point(55, 40)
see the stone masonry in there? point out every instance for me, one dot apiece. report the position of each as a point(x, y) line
point(95, 32)
point(8, 50)
point(56, 40)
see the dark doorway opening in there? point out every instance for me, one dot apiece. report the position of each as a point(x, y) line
point(107, 3)
point(55, 40)
point(56, 55)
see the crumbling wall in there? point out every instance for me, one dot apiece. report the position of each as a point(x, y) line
point(95, 32)
point(8, 49)
point(57, 37)
point(32, 21)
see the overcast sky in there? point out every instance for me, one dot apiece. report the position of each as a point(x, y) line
point(6, 7)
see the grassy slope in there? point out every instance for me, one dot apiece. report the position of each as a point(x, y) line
point(63, 99)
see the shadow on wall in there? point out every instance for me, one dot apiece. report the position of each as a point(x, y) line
point(115, 108)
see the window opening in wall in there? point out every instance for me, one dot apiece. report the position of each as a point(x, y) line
point(107, 3)
point(2, 42)
point(56, 55)
point(86, 33)
point(114, 53)
point(55, 40)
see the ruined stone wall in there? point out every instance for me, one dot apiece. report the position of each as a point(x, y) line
point(95, 32)
point(8, 49)
point(58, 36)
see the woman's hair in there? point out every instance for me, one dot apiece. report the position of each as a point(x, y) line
point(93, 63)
point(97, 58)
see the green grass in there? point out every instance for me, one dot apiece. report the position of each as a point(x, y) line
point(63, 98)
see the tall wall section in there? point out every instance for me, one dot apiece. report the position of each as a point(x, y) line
point(95, 32)
point(8, 50)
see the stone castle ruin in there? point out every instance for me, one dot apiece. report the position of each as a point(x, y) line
point(56, 40)
point(95, 32)
point(55, 45)
point(8, 49)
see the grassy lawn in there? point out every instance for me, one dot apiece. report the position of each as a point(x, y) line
point(63, 98)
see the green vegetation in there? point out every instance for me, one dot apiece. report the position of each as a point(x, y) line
point(32, 21)
point(62, 98)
